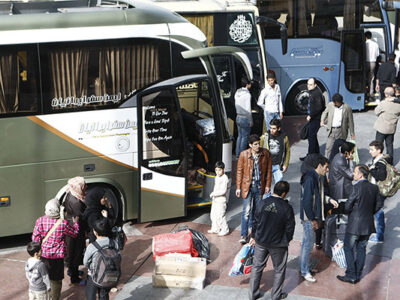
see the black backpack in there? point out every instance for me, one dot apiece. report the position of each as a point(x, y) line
point(106, 266)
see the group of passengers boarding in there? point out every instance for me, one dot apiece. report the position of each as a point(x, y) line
point(56, 237)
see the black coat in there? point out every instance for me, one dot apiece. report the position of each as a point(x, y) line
point(273, 223)
point(340, 177)
point(363, 203)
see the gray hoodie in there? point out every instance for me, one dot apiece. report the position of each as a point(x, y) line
point(37, 275)
point(243, 103)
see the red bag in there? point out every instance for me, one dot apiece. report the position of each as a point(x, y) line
point(175, 242)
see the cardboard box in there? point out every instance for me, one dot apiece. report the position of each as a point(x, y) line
point(178, 281)
point(180, 265)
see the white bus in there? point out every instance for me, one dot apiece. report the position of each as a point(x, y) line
point(104, 91)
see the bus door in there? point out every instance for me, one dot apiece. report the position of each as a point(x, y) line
point(161, 154)
point(351, 84)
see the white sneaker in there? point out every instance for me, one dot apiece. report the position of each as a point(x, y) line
point(211, 231)
point(222, 233)
point(309, 277)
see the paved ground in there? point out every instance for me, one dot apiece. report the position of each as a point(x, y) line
point(381, 276)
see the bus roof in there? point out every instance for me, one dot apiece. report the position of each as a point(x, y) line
point(206, 6)
point(133, 13)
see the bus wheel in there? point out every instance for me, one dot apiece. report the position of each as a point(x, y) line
point(297, 101)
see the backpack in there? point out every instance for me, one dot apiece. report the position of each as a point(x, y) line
point(391, 184)
point(119, 237)
point(106, 266)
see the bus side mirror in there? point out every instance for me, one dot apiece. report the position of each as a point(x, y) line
point(284, 39)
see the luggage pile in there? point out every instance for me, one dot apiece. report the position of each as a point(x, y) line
point(180, 259)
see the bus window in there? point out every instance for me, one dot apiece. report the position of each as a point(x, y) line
point(83, 75)
point(280, 11)
point(223, 68)
point(371, 12)
point(19, 87)
point(352, 56)
point(197, 114)
point(162, 134)
point(181, 66)
point(205, 23)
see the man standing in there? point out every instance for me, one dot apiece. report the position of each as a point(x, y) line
point(253, 179)
point(270, 100)
point(361, 206)
point(339, 119)
point(386, 76)
point(388, 112)
point(316, 105)
point(278, 146)
point(341, 172)
point(244, 119)
point(378, 173)
point(312, 203)
point(273, 229)
point(371, 53)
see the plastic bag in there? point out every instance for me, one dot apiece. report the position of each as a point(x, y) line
point(200, 241)
point(243, 261)
point(174, 242)
point(356, 158)
point(338, 254)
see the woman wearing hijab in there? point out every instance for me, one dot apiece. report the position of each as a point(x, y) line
point(97, 207)
point(54, 248)
point(75, 207)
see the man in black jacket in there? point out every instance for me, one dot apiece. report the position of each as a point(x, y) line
point(316, 105)
point(272, 231)
point(363, 202)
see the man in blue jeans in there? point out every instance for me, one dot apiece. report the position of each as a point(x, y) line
point(378, 173)
point(312, 204)
point(362, 203)
point(244, 118)
point(253, 179)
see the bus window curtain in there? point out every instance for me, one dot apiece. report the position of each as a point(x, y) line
point(205, 24)
point(349, 19)
point(126, 69)
point(69, 72)
point(9, 83)
point(302, 7)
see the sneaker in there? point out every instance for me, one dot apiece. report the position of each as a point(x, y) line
point(222, 233)
point(309, 278)
point(242, 240)
point(211, 231)
point(374, 239)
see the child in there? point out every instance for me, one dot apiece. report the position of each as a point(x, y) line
point(218, 207)
point(101, 229)
point(36, 273)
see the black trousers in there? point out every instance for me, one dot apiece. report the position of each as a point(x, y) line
point(313, 145)
point(76, 249)
point(279, 257)
point(92, 290)
point(388, 138)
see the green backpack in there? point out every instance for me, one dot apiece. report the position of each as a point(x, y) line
point(391, 184)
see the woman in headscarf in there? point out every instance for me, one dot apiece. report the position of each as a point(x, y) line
point(75, 207)
point(98, 207)
point(54, 248)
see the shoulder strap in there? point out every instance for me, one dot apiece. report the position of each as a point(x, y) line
point(52, 230)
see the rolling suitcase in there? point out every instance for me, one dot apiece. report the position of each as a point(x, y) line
point(335, 228)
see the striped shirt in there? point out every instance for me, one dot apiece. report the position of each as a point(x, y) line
point(55, 246)
point(256, 180)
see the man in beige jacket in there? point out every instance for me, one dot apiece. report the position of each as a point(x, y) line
point(388, 113)
point(338, 118)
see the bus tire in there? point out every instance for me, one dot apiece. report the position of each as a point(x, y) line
point(297, 101)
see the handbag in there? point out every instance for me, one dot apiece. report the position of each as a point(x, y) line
point(304, 131)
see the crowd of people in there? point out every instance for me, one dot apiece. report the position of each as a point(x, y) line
point(331, 184)
point(59, 237)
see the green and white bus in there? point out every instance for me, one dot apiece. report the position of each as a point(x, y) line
point(105, 92)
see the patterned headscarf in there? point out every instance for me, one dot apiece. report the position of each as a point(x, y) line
point(77, 187)
point(52, 209)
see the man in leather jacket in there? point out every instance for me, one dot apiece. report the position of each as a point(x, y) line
point(253, 179)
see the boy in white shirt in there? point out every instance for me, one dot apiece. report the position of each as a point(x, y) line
point(218, 196)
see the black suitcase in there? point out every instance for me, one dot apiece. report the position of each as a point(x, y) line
point(334, 229)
